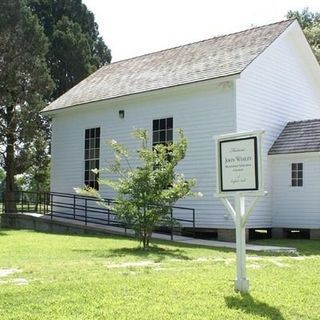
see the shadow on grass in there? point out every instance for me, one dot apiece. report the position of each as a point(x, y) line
point(155, 252)
point(248, 304)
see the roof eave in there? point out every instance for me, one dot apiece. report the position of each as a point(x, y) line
point(288, 153)
point(45, 112)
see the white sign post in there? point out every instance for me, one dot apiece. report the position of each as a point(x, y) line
point(239, 175)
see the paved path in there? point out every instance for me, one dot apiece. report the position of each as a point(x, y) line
point(180, 239)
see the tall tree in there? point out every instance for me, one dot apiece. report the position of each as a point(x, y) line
point(75, 47)
point(75, 51)
point(24, 80)
point(310, 23)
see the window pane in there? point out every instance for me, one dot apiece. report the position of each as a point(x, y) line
point(87, 135)
point(162, 136)
point(300, 166)
point(97, 132)
point(155, 136)
point(169, 135)
point(92, 133)
point(169, 123)
point(97, 143)
point(300, 183)
point(294, 182)
point(86, 154)
point(294, 175)
point(300, 174)
point(162, 124)
point(86, 175)
point(91, 184)
point(155, 125)
point(86, 144)
point(97, 153)
point(91, 175)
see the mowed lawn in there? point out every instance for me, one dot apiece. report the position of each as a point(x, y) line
point(48, 276)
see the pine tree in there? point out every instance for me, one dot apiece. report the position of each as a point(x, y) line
point(24, 81)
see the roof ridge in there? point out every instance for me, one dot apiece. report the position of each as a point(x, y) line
point(199, 41)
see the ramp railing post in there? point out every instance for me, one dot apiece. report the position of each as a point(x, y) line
point(85, 211)
point(51, 205)
point(22, 201)
point(171, 222)
point(74, 206)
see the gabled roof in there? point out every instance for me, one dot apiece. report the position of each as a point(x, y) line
point(297, 137)
point(209, 59)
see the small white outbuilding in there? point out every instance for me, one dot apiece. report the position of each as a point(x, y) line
point(295, 158)
point(260, 78)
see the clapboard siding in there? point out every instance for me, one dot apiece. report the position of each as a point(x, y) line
point(201, 110)
point(280, 85)
point(296, 207)
point(276, 88)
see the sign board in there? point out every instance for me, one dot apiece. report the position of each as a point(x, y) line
point(239, 174)
point(239, 163)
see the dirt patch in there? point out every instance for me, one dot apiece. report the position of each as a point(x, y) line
point(254, 258)
point(298, 258)
point(201, 259)
point(20, 281)
point(7, 272)
point(145, 263)
point(254, 266)
point(279, 263)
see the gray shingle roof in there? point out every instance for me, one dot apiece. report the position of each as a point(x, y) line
point(298, 136)
point(209, 59)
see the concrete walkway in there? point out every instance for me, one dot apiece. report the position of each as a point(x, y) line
point(96, 228)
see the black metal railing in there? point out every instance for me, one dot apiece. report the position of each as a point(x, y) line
point(87, 210)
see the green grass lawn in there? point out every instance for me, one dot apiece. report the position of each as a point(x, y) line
point(89, 277)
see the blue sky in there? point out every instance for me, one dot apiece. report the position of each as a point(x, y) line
point(135, 27)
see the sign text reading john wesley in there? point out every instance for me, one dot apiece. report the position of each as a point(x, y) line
point(239, 164)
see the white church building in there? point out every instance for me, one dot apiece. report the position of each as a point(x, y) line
point(258, 79)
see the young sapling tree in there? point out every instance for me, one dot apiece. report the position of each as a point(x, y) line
point(145, 193)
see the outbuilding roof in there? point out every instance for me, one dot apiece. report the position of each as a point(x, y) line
point(208, 59)
point(297, 137)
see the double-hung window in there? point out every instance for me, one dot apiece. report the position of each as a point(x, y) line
point(297, 174)
point(162, 131)
point(91, 157)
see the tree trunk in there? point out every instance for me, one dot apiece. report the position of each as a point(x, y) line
point(9, 196)
point(149, 238)
point(144, 240)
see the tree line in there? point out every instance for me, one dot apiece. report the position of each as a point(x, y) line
point(46, 47)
